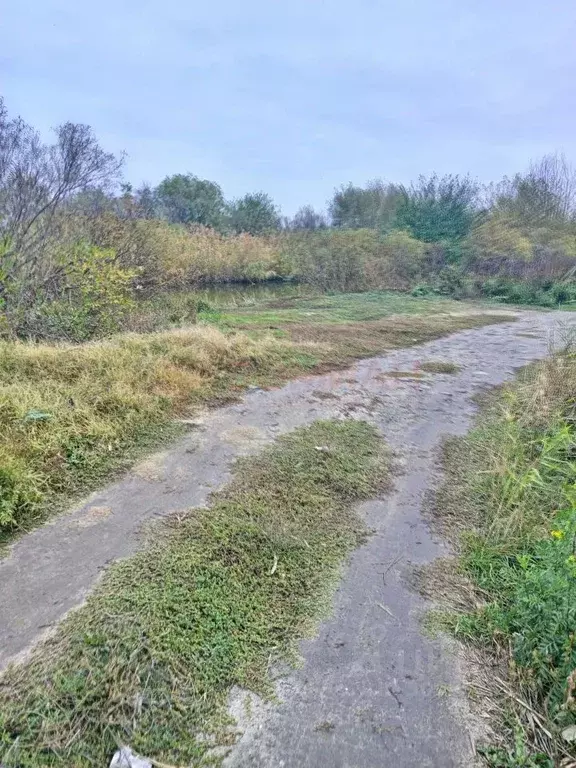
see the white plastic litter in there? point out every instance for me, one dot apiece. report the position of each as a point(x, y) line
point(125, 758)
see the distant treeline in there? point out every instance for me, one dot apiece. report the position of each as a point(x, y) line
point(79, 247)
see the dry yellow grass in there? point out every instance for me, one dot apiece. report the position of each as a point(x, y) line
point(69, 413)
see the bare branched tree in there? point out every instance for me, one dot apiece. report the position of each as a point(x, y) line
point(543, 196)
point(558, 177)
point(37, 179)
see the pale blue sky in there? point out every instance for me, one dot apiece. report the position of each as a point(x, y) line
point(296, 97)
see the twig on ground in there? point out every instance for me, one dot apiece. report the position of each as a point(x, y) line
point(390, 566)
point(273, 570)
point(387, 610)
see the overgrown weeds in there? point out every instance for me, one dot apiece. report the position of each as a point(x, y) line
point(510, 506)
point(150, 659)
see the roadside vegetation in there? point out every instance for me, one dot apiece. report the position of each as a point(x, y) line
point(218, 599)
point(509, 505)
point(105, 338)
point(71, 415)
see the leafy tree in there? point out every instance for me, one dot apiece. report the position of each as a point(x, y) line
point(254, 213)
point(370, 207)
point(306, 218)
point(438, 209)
point(186, 199)
point(495, 242)
point(529, 219)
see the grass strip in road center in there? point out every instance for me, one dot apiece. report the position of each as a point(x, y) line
point(151, 657)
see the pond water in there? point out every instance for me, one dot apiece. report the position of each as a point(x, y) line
point(241, 294)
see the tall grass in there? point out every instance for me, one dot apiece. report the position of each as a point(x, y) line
point(512, 492)
point(190, 257)
point(342, 260)
point(173, 256)
point(358, 259)
point(69, 413)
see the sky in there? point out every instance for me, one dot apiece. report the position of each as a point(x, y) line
point(296, 98)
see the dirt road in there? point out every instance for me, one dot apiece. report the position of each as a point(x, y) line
point(373, 689)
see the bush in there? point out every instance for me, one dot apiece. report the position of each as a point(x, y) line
point(451, 281)
point(91, 296)
point(400, 260)
point(331, 259)
point(547, 294)
point(501, 246)
point(496, 243)
point(354, 259)
point(563, 293)
point(422, 289)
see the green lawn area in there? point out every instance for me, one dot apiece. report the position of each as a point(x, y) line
point(334, 309)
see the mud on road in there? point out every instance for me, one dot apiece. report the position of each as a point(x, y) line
point(373, 690)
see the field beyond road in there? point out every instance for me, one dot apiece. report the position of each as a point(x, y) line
point(74, 415)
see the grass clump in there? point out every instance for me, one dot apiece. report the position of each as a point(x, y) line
point(150, 658)
point(439, 366)
point(510, 503)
